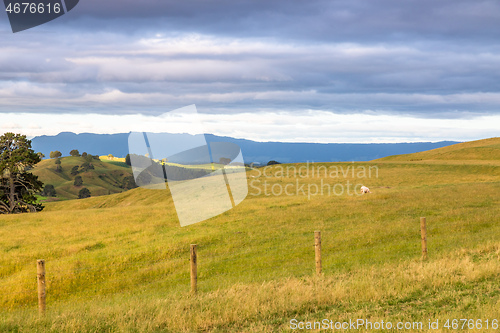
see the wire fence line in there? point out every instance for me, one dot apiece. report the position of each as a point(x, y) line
point(89, 273)
point(101, 273)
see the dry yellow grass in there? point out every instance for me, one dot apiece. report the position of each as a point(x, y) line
point(120, 263)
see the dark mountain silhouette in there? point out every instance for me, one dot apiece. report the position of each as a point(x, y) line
point(262, 152)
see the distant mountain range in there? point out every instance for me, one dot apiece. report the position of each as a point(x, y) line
point(261, 152)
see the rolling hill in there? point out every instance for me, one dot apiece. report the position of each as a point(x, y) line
point(480, 150)
point(106, 176)
point(253, 151)
point(121, 262)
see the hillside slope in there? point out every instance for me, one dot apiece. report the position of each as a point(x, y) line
point(479, 150)
point(106, 177)
point(121, 262)
point(253, 151)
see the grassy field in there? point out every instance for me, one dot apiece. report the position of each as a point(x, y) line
point(106, 177)
point(120, 263)
point(487, 150)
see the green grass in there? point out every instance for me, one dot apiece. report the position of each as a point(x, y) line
point(480, 150)
point(106, 178)
point(120, 263)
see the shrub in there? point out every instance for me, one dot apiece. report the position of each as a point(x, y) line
point(74, 170)
point(86, 166)
point(129, 183)
point(84, 193)
point(49, 191)
point(55, 154)
point(78, 181)
point(75, 153)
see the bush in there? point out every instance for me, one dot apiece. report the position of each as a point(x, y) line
point(84, 193)
point(273, 162)
point(86, 166)
point(74, 153)
point(55, 154)
point(49, 191)
point(78, 181)
point(129, 183)
point(224, 160)
point(74, 170)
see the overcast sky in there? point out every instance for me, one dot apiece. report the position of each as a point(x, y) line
point(285, 70)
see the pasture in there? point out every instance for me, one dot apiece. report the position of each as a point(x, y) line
point(120, 263)
point(105, 178)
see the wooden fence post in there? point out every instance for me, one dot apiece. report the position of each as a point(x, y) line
point(423, 231)
point(40, 276)
point(194, 270)
point(317, 247)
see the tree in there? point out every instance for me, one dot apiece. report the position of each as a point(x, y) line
point(75, 153)
point(58, 165)
point(55, 154)
point(86, 166)
point(74, 170)
point(110, 156)
point(224, 160)
point(17, 186)
point(78, 181)
point(84, 154)
point(127, 160)
point(273, 162)
point(41, 155)
point(49, 191)
point(129, 183)
point(84, 193)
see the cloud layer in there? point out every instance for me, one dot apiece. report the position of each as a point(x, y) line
point(420, 59)
point(309, 126)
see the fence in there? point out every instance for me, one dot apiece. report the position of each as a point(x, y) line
point(41, 268)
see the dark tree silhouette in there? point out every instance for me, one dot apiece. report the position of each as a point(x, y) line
point(55, 154)
point(74, 170)
point(49, 191)
point(17, 186)
point(75, 153)
point(84, 193)
point(224, 160)
point(78, 181)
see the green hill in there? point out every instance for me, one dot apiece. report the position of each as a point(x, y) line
point(102, 178)
point(480, 150)
point(120, 263)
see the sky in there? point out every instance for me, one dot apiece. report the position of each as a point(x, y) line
point(274, 70)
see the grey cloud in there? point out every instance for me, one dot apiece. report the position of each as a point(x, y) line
point(437, 58)
point(326, 20)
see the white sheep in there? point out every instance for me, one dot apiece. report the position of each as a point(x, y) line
point(365, 189)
